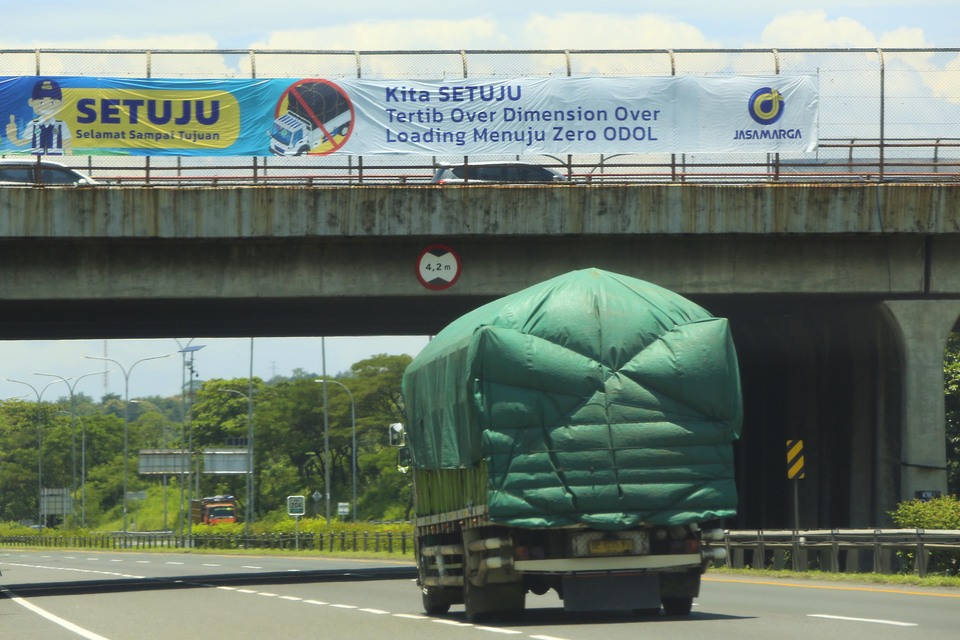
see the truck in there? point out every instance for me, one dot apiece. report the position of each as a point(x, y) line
point(316, 112)
point(214, 510)
point(577, 435)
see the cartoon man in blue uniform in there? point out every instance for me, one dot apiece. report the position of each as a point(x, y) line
point(45, 134)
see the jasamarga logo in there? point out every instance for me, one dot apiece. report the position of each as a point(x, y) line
point(766, 106)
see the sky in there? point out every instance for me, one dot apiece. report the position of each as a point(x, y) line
point(399, 26)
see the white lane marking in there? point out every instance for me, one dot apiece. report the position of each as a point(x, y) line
point(411, 616)
point(294, 598)
point(246, 591)
point(247, 566)
point(208, 564)
point(69, 626)
point(314, 602)
point(895, 623)
point(498, 630)
point(267, 594)
point(452, 623)
point(143, 562)
point(377, 611)
point(343, 606)
point(171, 562)
point(73, 569)
point(546, 638)
point(227, 588)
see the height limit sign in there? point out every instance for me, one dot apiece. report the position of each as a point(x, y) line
point(438, 267)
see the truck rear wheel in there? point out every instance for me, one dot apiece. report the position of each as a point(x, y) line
point(677, 606)
point(437, 602)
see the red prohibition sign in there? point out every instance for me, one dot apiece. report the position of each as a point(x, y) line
point(438, 267)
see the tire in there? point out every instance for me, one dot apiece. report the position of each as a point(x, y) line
point(434, 604)
point(677, 606)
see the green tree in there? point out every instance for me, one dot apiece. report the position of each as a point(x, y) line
point(951, 374)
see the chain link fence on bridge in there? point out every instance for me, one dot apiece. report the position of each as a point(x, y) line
point(884, 114)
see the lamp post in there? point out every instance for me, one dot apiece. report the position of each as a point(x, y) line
point(83, 467)
point(73, 426)
point(126, 420)
point(163, 439)
point(192, 350)
point(39, 395)
point(353, 448)
point(182, 350)
point(248, 517)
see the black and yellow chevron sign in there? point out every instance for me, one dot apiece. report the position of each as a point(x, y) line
point(795, 460)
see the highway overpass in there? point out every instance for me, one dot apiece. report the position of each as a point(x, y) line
point(841, 296)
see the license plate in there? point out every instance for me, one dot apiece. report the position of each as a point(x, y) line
point(610, 547)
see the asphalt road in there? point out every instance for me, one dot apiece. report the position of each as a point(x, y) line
point(64, 595)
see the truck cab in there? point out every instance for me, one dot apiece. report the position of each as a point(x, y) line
point(214, 510)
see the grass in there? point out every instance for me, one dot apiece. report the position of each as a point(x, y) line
point(868, 578)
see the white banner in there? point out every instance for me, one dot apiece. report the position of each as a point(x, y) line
point(687, 114)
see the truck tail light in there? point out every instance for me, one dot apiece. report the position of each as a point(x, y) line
point(689, 545)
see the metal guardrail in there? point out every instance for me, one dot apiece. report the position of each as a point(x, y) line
point(329, 541)
point(887, 551)
point(917, 551)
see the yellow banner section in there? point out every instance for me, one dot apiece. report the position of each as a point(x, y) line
point(151, 119)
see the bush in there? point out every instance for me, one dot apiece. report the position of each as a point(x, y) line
point(939, 513)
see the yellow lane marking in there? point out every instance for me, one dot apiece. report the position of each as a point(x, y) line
point(837, 587)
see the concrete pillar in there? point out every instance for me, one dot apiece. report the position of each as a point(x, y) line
point(924, 327)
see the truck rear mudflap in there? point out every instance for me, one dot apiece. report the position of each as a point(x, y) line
point(600, 592)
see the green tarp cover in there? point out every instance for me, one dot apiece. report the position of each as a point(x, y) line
point(595, 398)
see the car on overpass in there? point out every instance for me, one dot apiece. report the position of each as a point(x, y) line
point(512, 172)
point(18, 173)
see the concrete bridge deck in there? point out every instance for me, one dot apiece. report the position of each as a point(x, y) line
point(841, 295)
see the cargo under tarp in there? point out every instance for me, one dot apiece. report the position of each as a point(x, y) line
point(594, 398)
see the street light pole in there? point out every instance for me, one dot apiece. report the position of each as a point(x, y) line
point(183, 420)
point(248, 517)
point(126, 420)
point(163, 441)
point(353, 448)
point(39, 395)
point(83, 467)
point(183, 352)
point(73, 424)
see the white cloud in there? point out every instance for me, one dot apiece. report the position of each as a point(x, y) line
point(400, 35)
point(177, 41)
point(808, 29)
point(596, 31)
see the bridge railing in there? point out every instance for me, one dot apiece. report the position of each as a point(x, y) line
point(867, 160)
point(917, 551)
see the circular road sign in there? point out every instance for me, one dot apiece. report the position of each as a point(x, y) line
point(438, 267)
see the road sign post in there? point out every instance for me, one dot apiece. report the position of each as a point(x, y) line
point(795, 473)
point(296, 507)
